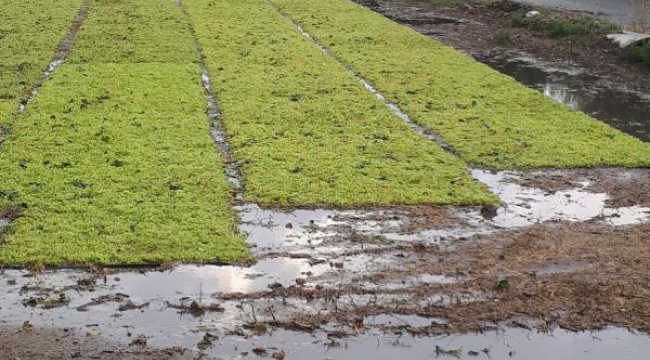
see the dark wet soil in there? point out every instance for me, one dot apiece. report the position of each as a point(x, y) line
point(10, 213)
point(68, 42)
point(567, 83)
point(30, 343)
point(577, 276)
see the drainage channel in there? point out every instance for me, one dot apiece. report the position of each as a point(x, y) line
point(233, 173)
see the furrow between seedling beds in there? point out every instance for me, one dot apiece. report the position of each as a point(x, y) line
point(30, 32)
point(113, 162)
point(304, 130)
point(492, 120)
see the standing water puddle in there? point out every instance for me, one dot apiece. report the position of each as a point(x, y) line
point(622, 108)
point(527, 206)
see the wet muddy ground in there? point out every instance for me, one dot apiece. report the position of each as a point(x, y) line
point(560, 254)
point(559, 271)
point(617, 104)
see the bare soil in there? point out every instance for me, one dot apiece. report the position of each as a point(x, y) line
point(29, 343)
point(577, 276)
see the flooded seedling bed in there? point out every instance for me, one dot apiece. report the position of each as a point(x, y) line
point(257, 179)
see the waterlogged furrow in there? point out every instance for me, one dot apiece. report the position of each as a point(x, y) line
point(30, 31)
point(113, 162)
point(304, 130)
point(488, 117)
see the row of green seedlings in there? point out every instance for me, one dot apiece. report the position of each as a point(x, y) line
point(304, 131)
point(489, 118)
point(113, 162)
point(29, 36)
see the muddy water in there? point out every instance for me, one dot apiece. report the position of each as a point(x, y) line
point(623, 108)
point(508, 344)
point(624, 11)
point(526, 206)
point(515, 344)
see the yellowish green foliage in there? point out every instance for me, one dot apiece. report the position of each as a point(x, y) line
point(7, 108)
point(30, 31)
point(142, 32)
point(492, 120)
point(305, 131)
point(113, 162)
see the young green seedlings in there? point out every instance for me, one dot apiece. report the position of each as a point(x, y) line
point(305, 131)
point(30, 32)
point(113, 162)
point(492, 120)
